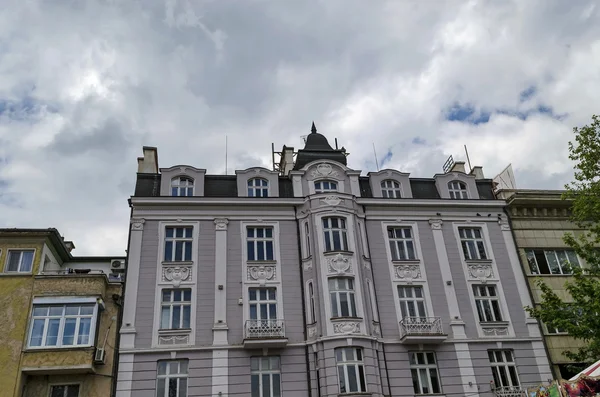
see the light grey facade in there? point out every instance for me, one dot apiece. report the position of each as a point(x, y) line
point(334, 284)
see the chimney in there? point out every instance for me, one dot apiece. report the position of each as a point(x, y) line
point(458, 166)
point(477, 171)
point(70, 246)
point(149, 163)
point(287, 160)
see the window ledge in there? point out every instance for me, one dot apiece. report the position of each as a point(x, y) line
point(486, 324)
point(269, 262)
point(550, 275)
point(335, 319)
point(178, 263)
point(15, 274)
point(364, 393)
point(56, 348)
point(415, 261)
point(478, 261)
point(177, 331)
point(328, 253)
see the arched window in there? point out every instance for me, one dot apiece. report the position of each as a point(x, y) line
point(457, 190)
point(312, 314)
point(390, 189)
point(325, 186)
point(182, 186)
point(258, 187)
point(307, 235)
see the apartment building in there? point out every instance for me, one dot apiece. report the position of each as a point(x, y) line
point(59, 322)
point(540, 218)
point(314, 280)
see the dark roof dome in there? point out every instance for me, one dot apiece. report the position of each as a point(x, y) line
point(318, 148)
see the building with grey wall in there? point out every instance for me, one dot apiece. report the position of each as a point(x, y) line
point(312, 280)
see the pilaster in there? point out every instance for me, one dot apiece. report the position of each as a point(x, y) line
point(131, 289)
point(220, 323)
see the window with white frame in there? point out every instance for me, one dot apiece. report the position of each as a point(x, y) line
point(178, 243)
point(307, 236)
point(341, 293)
point(259, 241)
point(390, 189)
point(473, 245)
point(258, 187)
point(19, 261)
point(325, 186)
point(504, 369)
point(487, 303)
point(551, 261)
point(334, 231)
point(265, 376)
point(182, 186)
point(424, 371)
point(172, 378)
point(351, 370)
point(401, 242)
point(312, 315)
point(64, 391)
point(62, 325)
point(458, 190)
point(412, 301)
point(176, 306)
point(263, 303)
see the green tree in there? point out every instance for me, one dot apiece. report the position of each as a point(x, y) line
point(581, 316)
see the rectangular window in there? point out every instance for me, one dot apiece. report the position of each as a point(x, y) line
point(401, 243)
point(176, 305)
point(19, 261)
point(172, 378)
point(472, 243)
point(412, 301)
point(265, 376)
point(341, 293)
point(504, 369)
point(260, 243)
point(312, 316)
point(551, 261)
point(487, 302)
point(334, 231)
point(62, 325)
point(351, 371)
point(424, 371)
point(178, 244)
point(64, 391)
point(262, 303)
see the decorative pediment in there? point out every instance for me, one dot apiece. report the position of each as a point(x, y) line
point(324, 170)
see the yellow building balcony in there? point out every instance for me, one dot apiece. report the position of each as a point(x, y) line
point(58, 361)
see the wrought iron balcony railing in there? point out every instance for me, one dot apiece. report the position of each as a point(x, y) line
point(421, 326)
point(510, 391)
point(264, 329)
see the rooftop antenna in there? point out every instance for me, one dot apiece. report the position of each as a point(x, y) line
point(225, 154)
point(468, 161)
point(375, 154)
point(336, 146)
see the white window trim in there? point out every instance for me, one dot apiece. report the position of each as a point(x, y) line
point(354, 363)
point(306, 240)
point(51, 385)
point(505, 364)
point(255, 240)
point(495, 280)
point(260, 372)
point(65, 301)
point(160, 285)
point(388, 240)
point(489, 299)
point(5, 271)
point(174, 240)
point(275, 282)
point(394, 189)
point(465, 190)
point(179, 185)
point(311, 303)
point(252, 178)
point(172, 304)
point(329, 191)
point(343, 290)
point(173, 376)
point(426, 367)
point(340, 184)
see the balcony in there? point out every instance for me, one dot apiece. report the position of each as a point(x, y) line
point(510, 391)
point(260, 334)
point(422, 330)
point(58, 361)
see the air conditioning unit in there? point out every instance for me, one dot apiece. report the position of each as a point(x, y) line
point(117, 265)
point(99, 356)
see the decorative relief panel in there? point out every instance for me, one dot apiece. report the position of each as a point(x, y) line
point(407, 272)
point(176, 274)
point(174, 339)
point(312, 331)
point(137, 224)
point(308, 265)
point(339, 264)
point(346, 327)
point(324, 170)
point(221, 224)
point(376, 330)
point(332, 200)
point(436, 224)
point(495, 331)
point(261, 273)
point(481, 271)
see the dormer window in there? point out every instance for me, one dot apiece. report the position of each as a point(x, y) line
point(182, 186)
point(457, 190)
point(258, 187)
point(325, 186)
point(390, 189)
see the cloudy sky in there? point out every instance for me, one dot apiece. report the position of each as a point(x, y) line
point(85, 83)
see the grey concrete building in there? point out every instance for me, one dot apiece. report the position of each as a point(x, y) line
point(312, 280)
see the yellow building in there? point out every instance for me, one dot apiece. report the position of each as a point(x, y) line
point(59, 317)
point(540, 218)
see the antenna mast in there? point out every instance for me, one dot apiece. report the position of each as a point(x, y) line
point(375, 154)
point(225, 154)
point(468, 161)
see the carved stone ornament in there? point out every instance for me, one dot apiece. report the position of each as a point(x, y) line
point(137, 224)
point(367, 264)
point(376, 330)
point(173, 339)
point(407, 273)
point(331, 200)
point(324, 170)
point(339, 264)
point(176, 274)
point(504, 226)
point(312, 331)
point(495, 331)
point(436, 224)
point(261, 273)
point(346, 327)
point(481, 271)
point(221, 224)
point(308, 265)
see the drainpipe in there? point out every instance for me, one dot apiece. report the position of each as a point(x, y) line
point(306, 353)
